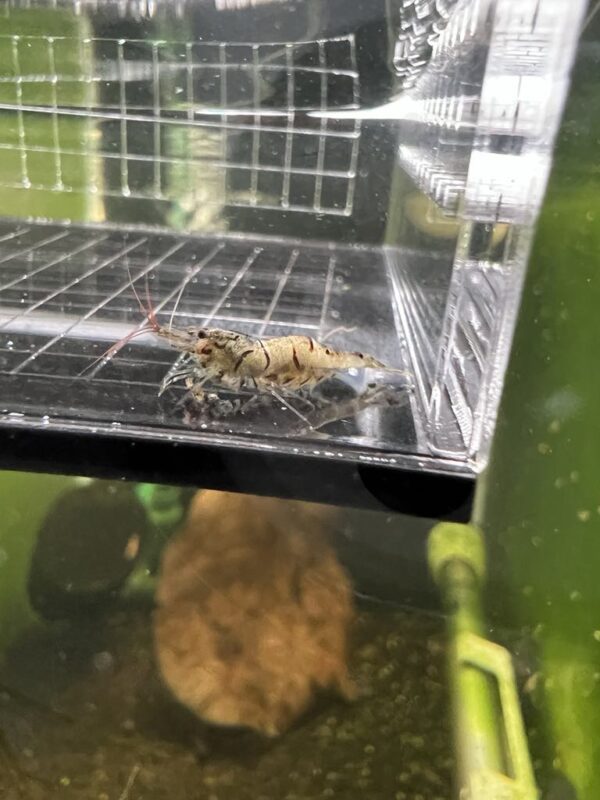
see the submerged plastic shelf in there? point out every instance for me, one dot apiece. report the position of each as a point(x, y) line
point(233, 132)
point(66, 296)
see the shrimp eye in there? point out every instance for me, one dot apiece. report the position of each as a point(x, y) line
point(201, 334)
point(360, 355)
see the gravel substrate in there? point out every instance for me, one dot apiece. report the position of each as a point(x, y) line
point(83, 717)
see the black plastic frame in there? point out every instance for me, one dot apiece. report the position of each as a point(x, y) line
point(341, 482)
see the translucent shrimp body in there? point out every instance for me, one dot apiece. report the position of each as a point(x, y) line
point(234, 360)
point(277, 365)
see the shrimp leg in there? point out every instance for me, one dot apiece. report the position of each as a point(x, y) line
point(174, 377)
point(295, 411)
point(299, 395)
point(251, 401)
point(195, 385)
point(377, 397)
point(179, 370)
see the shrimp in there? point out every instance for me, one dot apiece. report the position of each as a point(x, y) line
point(232, 360)
point(235, 360)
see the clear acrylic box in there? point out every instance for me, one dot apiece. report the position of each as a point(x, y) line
point(368, 174)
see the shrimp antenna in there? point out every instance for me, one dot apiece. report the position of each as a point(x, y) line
point(151, 324)
point(176, 304)
point(114, 348)
point(339, 329)
point(147, 311)
point(135, 292)
point(150, 313)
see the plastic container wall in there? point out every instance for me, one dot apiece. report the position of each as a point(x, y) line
point(372, 176)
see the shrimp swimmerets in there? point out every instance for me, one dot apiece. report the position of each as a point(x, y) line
point(233, 360)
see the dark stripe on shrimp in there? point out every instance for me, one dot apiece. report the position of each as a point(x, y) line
point(295, 357)
point(311, 343)
point(267, 356)
point(240, 359)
